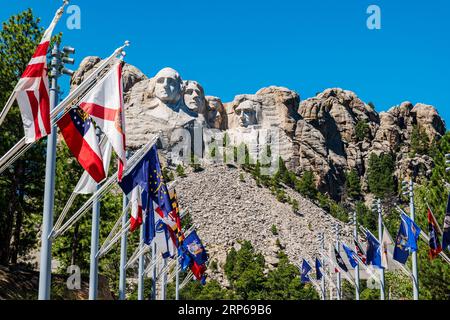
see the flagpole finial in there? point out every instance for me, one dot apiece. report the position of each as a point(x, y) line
point(127, 43)
point(65, 2)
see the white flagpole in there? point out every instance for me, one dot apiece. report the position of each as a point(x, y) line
point(123, 254)
point(177, 278)
point(93, 272)
point(141, 266)
point(355, 235)
point(154, 266)
point(49, 197)
point(380, 236)
point(414, 254)
point(164, 280)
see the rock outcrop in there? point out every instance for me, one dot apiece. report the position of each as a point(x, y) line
point(329, 134)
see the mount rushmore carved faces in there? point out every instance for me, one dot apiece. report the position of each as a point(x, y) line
point(168, 86)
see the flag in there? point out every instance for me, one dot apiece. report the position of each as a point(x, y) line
point(79, 133)
point(87, 185)
point(32, 90)
point(401, 251)
point(340, 262)
point(304, 272)
point(162, 237)
point(446, 232)
point(350, 255)
point(198, 270)
point(136, 208)
point(387, 246)
point(360, 251)
point(435, 245)
point(139, 177)
point(104, 103)
point(195, 248)
point(407, 237)
point(373, 251)
point(158, 189)
point(319, 274)
point(185, 258)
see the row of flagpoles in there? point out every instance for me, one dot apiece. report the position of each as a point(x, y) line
point(94, 109)
point(381, 253)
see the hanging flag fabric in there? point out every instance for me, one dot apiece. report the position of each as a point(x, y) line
point(158, 189)
point(413, 232)
point(136, 208)
point(401, 252)
point(185, 258)
point(198, 270)
point(195, 248)
point(446, 231)
point(319, 274)
point(79, 133)
point(161, 237)
point(340, 262)
point(360, 251)
point(32, 90)
point(104, 103)
point(387, 247)
point(350, 255)
point(304, 278)
point(435, 244)
point(87, 185)
point(139, 176)
point(373, 251)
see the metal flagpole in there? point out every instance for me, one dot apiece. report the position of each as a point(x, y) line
point(93, 273)
point(177, 278)
point(141, 266)
point(355, 235)
point(154, 295)
point(338, 274)
point(380, 237)
point(49, 191)
point(123, 254)
point(164, 279)
point(322, 261)
point(414, 254)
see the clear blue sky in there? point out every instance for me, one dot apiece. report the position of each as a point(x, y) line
point(233, 47)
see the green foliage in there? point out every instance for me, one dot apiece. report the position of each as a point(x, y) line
point(194, 163)
point(366, 217)
point(306, 185)
point(295, 205)
point(22, 185)
point(420, 143)
point(241, 177)
point(168, 175)
point(180, 171)
point(274, 230)
point(380, 175)
point(362, 130)
point(352, 185)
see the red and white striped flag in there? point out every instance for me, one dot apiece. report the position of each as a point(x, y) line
point(32, 90)
point(104, 103)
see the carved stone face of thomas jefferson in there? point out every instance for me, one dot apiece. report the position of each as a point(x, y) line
point(168, 86)
point(194, 97)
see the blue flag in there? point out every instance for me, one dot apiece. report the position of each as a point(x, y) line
point(194, 248)
point(373, 251)
point(446, 231)
point(319, 274)
point(305, 269)
point(406, 240)
point(185, 258)
point(147, 174)
point(351, 256)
